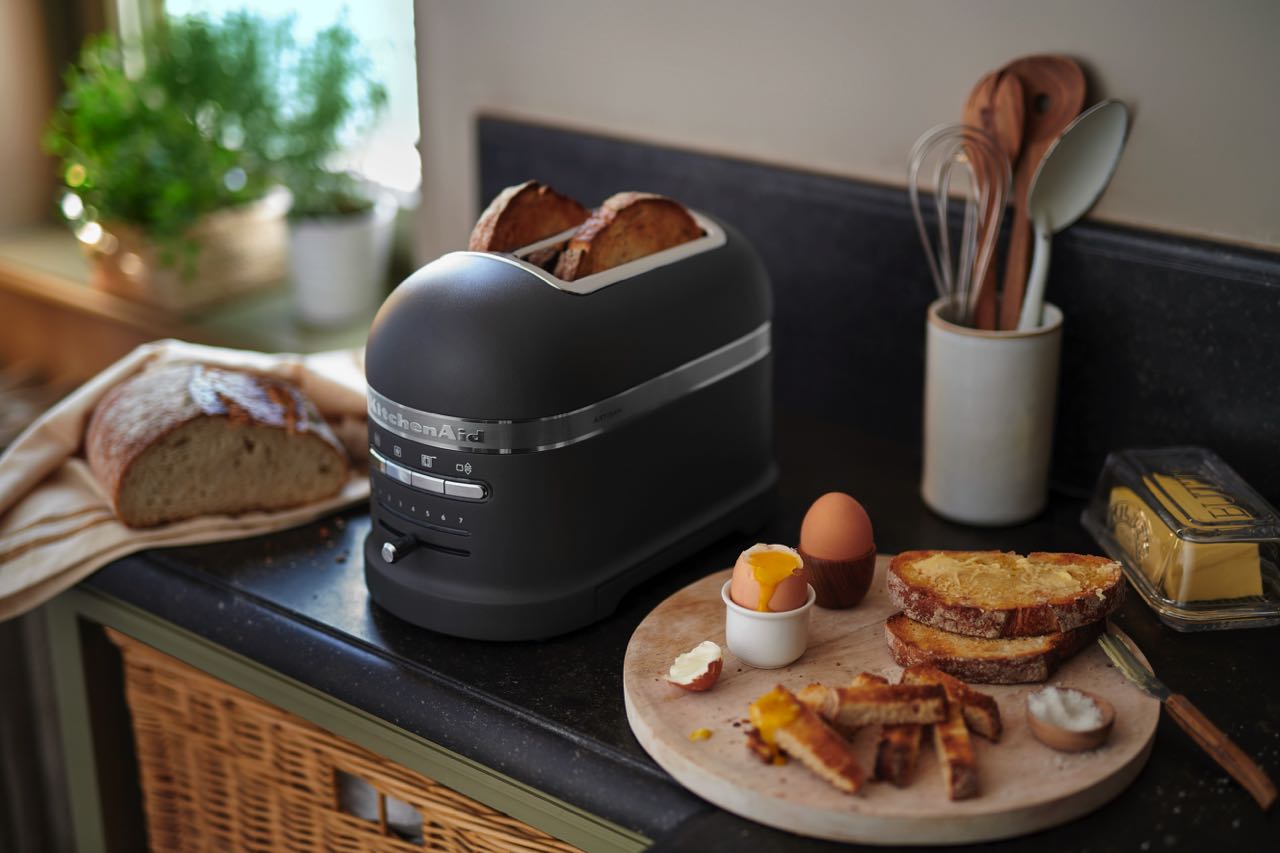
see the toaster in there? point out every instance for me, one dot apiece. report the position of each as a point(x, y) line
point(539, 446)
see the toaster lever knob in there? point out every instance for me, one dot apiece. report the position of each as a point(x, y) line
point(397, 548)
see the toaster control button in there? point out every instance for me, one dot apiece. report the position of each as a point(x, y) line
point(399, 472)
point(467, 491)
point(397, 548)
point(427, 484)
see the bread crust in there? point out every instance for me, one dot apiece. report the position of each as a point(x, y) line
point(955, 754)
point(932, 607)
point(524, 214)
point(1034, 666)
point(141, 411)
point(852, 707)
point(627, 226)
point(808, 739)
point(981, 711)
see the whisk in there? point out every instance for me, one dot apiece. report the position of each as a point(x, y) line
point(989, 177)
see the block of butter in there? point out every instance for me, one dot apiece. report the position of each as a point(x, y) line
point(1185, 570)
point(1198, 544)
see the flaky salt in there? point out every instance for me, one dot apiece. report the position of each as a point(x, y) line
point(1065, 708)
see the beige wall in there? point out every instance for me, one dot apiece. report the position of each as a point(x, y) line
point(845, 87)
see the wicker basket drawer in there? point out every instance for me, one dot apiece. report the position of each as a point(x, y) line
point(223, 770)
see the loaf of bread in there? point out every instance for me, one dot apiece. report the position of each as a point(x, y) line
point(187, 440)
point(1001, 594)
point(627, 226)
point(524, 214)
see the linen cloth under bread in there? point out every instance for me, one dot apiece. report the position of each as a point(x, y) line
point(56, 523)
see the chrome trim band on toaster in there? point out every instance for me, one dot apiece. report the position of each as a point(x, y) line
point(549, 433)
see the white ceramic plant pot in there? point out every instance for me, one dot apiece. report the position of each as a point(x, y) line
point(762, 639)
point(338, 264)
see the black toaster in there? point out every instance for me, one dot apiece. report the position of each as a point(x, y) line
point(540, 446)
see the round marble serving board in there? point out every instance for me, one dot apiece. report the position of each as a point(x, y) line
point(1025, 786)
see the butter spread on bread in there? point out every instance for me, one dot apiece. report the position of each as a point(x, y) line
point(187, 440)
point(1001, 594)
point(627, 226)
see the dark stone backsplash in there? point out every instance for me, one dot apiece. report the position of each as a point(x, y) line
point(1167, 340)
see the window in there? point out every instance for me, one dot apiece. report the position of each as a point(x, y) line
point(388, 153)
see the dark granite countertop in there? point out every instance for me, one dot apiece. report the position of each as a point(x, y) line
point(550, 713)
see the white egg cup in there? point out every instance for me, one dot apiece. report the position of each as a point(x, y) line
point(766, 640)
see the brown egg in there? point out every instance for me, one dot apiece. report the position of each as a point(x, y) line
point(769, 578)
point(836, 527)
point(839, 550)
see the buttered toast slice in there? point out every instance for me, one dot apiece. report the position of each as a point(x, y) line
point(626, 226)
point(782, 720)
point(1013, 660)
point(524, 214)
point(1001, 594)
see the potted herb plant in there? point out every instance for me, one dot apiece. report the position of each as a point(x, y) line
point(339, 228)
point(167, 156)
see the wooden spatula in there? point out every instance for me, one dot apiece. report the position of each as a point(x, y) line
point(1053, 91)
point(996, 105)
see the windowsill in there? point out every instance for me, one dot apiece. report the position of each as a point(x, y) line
point(45, 264)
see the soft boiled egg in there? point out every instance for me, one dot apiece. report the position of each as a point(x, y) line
point(769, 578)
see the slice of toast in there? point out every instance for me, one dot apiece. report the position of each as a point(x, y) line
point(981, 712)
point(626, 226)
point(783, 720)
point(849, 708)
point(1000, 594)
point(1013, 660)
point(525, 214)
point(825, 700)
point(954, 747)
point(897, 752)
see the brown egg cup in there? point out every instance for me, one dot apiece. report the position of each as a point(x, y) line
point(840, 583)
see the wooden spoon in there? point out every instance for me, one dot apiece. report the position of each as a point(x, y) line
point(996, 105)
point(1053, 90)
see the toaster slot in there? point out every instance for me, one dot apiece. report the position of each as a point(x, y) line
point(713, 237)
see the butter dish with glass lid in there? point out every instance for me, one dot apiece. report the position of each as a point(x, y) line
point(1198, 544)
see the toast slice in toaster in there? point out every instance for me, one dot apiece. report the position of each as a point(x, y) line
point(783, 721)
point(626, 226)
point(524, 214)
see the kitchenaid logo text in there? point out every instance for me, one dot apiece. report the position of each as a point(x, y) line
point(446, 432)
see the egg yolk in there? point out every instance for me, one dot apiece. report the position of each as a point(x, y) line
point(770, 568)
point(771, 712)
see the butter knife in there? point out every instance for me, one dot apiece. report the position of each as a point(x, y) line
point(1209, 737)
